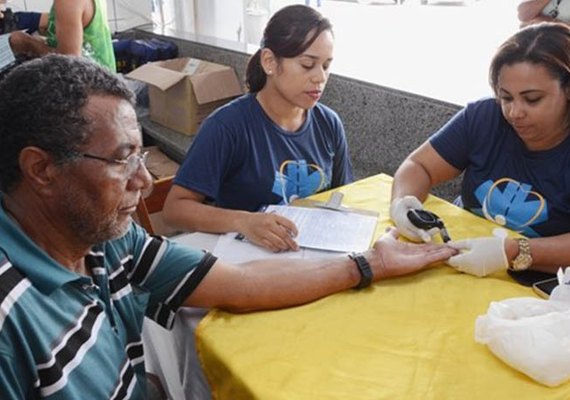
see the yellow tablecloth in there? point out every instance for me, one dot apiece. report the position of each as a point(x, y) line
point(405, 338)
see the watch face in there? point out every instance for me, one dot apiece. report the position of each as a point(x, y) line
point(524, 259)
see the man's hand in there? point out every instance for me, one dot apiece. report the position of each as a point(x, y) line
point(399, 215)
point(271, 231)
point(391, 257)
point(483, 256)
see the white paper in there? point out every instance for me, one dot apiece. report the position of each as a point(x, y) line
point(329, 230)
point(6, 55)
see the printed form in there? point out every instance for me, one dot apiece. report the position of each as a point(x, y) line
point(340, 231)
point(322, 234)
point(6, 55)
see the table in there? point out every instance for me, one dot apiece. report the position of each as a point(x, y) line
point(171, 354)
point(404, 338)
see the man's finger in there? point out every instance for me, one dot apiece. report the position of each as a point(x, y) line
point(460, 244)
point(441, 254)
point(456, 261)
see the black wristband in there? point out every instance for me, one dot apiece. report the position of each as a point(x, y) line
point(364, 269)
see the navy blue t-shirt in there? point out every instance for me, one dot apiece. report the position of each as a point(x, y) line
point(526, 191)
point(242, 160)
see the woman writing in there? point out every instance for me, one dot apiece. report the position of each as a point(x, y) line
point(270, 146)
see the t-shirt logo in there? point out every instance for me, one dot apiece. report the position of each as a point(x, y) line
point(513, 204)
point(296, 178)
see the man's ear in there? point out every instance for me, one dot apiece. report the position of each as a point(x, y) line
point(268, 61)
point(38, 170)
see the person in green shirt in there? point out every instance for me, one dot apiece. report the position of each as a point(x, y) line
point(73, 27)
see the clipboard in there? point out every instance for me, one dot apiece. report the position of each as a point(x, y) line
point(330, 226)
point(334, 203)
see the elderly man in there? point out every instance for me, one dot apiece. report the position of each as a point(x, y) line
point(77, 275)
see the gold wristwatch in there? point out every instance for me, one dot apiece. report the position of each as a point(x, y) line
point(524, 259)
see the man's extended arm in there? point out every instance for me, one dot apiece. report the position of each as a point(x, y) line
point(271, 284)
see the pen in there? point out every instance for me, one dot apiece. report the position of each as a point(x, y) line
point(241, 236)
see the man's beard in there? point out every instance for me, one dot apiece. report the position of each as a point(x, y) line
point(90, 228)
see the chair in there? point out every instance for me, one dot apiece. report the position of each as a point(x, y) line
point(153, 203)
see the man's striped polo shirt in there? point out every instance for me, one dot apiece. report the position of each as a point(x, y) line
point(69, 336)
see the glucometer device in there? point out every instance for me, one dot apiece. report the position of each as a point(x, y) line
point(427, 220)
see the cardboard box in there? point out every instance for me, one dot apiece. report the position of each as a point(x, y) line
point(184, 91)
point(158, 163)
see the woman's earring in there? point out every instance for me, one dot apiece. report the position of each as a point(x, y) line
point(269, 72)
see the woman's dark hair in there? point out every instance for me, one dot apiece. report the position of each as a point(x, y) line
point(42, 104)
point(546, 44)
point(289, 32)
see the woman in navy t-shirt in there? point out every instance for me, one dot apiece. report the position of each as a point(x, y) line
point(514, 152)
point(270, 146)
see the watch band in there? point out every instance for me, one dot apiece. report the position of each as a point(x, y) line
point(364, 269)
point(524, 259)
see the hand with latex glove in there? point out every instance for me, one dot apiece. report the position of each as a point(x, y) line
point(480, 256)
point(399, 215)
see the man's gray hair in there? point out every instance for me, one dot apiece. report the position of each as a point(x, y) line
point(42, 104)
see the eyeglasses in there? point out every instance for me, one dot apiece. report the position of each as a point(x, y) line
point(132, 163)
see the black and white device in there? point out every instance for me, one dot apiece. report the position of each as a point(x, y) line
point(427, 220)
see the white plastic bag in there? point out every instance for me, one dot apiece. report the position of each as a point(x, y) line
point(531, 335)
point(562, 291)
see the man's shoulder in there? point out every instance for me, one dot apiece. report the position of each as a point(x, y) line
point(9, 275)
point(13, 285)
